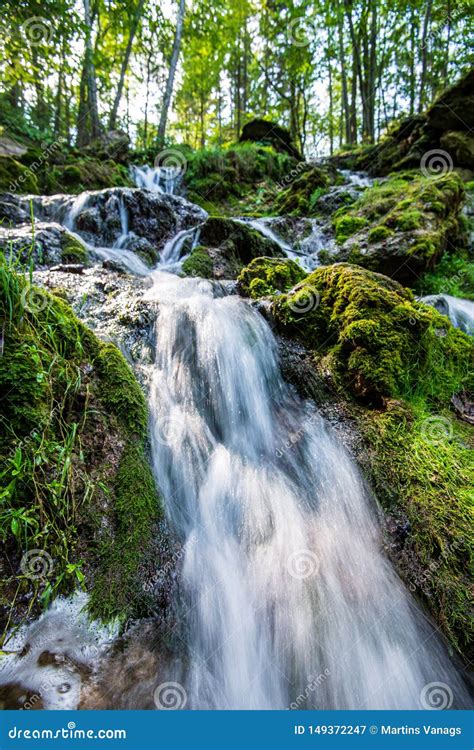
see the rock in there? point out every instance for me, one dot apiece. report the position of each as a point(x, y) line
point(409, 140)
point(300, 197)
point(9, 147)
point(269, 133)
point(114, 144)
point(15, 177)
point(49, 245)
point(401, 226)
point(461, 147)
point(266, 276)
point(11, 212)
point(68, 268)
point(225, 247)
point(373, 336)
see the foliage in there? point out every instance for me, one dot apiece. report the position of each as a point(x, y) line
point(72, 413)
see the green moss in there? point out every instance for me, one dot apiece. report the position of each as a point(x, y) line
point(301, 196)
point(419, 464)
point(379, 233)
point(265, 276)
point(346, 226)
point(72, 250)
point(381, 343)
point(16, 177)
point(424, 211)
point(122, 394)
point(72, 448)
point(117, 591)
point(198, 263)
point(409, 220)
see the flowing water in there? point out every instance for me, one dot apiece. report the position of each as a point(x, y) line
point(459, 311)
point(284, 580)
point(160, 179)
point(286, 599)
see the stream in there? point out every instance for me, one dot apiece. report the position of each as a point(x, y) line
point(285, 598)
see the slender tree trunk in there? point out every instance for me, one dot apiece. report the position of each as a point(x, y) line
point(171, 74)
point(342, 58)
point(424, 54)
point(123, 70)
point(147, 98)
point(413, 35)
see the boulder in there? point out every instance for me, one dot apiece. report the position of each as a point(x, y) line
point(401, 226)
point(49, 245)
point(114, 144)
point(271, 134)
point(225, 247)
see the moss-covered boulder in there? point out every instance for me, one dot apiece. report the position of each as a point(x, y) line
point(15, 177)
point(225, 247)
point(390, 366)
point(301, 196)
point(78, 489)
point(266, 276)
point(377, 341)
point(402, 226)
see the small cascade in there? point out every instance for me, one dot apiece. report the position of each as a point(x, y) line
point(459, 311)
point(124, 233)
point(173, 255)
point(306, 252)
point(158, 179)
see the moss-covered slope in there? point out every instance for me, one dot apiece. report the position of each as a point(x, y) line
point(395, 364)
point(77, 487)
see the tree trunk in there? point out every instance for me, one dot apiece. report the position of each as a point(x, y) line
point(171, 73)
point(342, 60)
point(424, 54)
point(123, 70)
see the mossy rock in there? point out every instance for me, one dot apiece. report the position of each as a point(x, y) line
point(73, 446)
point(225, 247)
point(16, 177)
point(378, 341)
point(198, 263)
point(266, 276)
point(402, 226)
point(72, 250)
point(300, 197)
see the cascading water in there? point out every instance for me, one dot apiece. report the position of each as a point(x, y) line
point(284, 582)
point(286, 599)
point(459, 311)
point(158, 179)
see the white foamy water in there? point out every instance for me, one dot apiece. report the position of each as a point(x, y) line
point(459, 311)
point(51, 657)
point(283, 576)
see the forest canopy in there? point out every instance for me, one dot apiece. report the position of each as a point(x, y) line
point(194, 71)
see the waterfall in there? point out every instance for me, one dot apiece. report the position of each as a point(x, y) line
point(158, 179)
point(284, 582)
point(459, 311)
